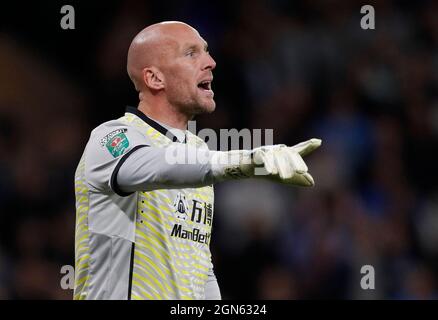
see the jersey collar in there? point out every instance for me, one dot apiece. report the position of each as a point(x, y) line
point(154, 124)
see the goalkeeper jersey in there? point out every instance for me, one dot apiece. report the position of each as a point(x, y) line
point(151, 244)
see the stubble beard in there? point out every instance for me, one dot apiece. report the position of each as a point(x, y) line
point(191, 105)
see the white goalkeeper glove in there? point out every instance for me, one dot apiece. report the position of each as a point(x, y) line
point(278, 163)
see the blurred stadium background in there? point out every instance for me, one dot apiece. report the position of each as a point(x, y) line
point(305, 69)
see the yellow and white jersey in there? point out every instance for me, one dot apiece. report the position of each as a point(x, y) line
point(151, 243)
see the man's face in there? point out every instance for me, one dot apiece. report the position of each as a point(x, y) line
point(188, 74)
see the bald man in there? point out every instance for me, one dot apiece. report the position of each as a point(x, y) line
point(143, 222)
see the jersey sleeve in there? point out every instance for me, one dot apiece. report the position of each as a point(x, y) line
point(120, 159)
point(108, 148)
point(175, 166)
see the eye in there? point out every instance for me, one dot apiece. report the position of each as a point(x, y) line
point(190, 53)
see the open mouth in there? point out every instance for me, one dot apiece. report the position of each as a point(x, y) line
point(205, 85)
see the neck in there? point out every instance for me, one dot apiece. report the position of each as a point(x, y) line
point(165, 113)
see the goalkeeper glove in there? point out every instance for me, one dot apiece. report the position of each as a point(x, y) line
point(278, 163)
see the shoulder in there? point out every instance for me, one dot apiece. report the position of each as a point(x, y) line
point(111, 128)
point(116, 137)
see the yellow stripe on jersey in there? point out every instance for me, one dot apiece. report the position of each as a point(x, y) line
point(82, 235)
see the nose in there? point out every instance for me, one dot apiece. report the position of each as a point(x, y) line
point(209, 63)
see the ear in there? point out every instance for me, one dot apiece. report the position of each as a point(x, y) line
point(153, 78)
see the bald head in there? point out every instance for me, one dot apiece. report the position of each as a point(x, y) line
point(152, 46)
point(172, 69)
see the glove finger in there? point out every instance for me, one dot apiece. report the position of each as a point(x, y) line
point(306, 147)
point(270, 162)
point(299, 164)
point(307, 180)
point(266, 157)
point(303, 180)
point(265, 162)
point(286, 168)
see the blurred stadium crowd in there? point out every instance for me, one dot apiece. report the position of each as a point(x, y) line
point(303, 68)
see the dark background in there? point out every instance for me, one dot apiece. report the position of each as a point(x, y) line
point(303, 68)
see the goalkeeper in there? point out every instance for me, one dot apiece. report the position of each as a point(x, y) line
point(143, 222)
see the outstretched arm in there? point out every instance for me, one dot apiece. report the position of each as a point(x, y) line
point(124, 161)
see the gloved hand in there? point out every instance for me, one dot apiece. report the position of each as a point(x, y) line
point(278, 163)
